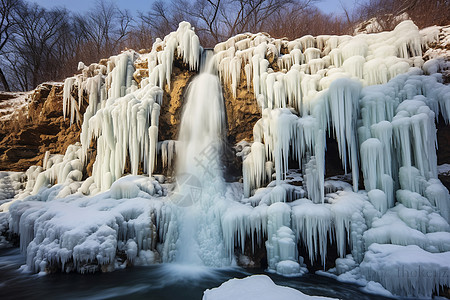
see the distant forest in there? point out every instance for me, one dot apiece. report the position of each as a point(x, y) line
point(37, 44)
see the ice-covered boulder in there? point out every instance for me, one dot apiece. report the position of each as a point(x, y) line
point(255, 287)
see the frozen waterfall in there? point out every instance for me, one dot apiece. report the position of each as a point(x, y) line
point(199, 174)
point(202, 123)
point(377, 95)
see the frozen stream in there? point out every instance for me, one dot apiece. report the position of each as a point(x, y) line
point(161, 281)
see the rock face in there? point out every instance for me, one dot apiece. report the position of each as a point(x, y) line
point(36, 129)
point(443, 151)
point(242, 111)
point(171, 109)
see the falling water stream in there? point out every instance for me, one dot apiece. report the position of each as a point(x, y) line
point(202, 127)
point(202, 123)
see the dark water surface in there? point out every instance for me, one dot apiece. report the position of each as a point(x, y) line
point(157, 282)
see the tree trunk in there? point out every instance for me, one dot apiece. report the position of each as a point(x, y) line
point(4, 82)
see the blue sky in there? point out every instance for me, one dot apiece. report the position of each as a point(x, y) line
point(326, 6)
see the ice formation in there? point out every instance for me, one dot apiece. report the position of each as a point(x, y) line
point(10, 184)
point(408, 271)
point(82, 234)
point(281, 243)
point(196, 236)
point(328, 100)
point(122, 117)
point(373, 93)
point(255, 287)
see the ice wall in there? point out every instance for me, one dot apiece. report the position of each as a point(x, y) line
point(311, 87)
point(371, 94)
point(121, 116)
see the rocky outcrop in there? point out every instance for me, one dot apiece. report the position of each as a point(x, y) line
point(443, 151)
point(242, 111)
point(171, 109)
point(37, 129)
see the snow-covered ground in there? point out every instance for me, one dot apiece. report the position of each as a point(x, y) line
point(15, 103)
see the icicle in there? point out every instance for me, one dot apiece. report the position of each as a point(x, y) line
point(311, 54)
point(253, 168)
point(343, 102)
point(372, 163)
point(45, 161)
point(153, 139)
point(312, 224)
point(383, 132)
point(378, 199)
point(68, 85)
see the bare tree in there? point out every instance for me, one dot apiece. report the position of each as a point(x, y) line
point(250, 15)
point(303, 20)
point(47, 44)
point(37, 36)
point(422, 12)
point(103, 29)
point(38, 44)
point(216, 20)
point(205, 16)
point(139, 37)
point(162, 18)
point(6, 22)
point(431, 12)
